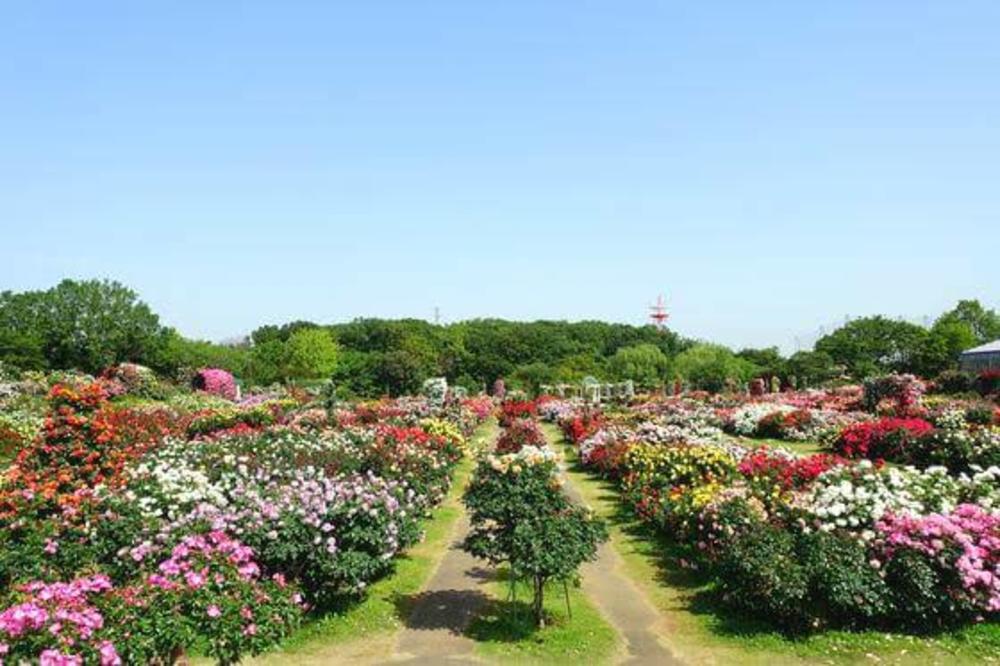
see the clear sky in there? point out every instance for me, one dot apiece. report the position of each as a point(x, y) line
point(771, 166)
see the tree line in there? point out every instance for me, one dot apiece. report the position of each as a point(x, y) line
point(90, 325)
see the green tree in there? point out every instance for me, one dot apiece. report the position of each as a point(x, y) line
point(521, 517)
point(811, 368)
point(984, 324)
point(270, 332)
point(268, 363)
point(21, 350)
point(179, 356)
point(769, 361)
point(948, 338)
point(400, 373)
point(875, 345)
point(86, 325)
point(574, 368)
point(644, 364)
point(711, 367)
point(531, 377)
point(310, 353)
point(356, 373)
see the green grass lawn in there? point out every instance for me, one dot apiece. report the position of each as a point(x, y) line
point(801, 448)
point(505, 631)
point(703, 632)
point(367, 628)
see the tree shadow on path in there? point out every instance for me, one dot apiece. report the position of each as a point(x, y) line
point(451, 610)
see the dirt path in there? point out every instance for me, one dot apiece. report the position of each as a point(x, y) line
point(621, 602)
point(434, 632)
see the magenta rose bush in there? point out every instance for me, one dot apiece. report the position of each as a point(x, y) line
point(215, 381)
point(962, 546)
point(57, 623)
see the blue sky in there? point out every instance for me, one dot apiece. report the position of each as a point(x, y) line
point(771, 166)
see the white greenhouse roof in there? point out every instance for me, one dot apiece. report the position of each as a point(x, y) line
point(984, 349)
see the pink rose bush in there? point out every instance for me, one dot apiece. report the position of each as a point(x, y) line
point(58, 623)
point(215, 381)
point(210, 589)
point(966, 541)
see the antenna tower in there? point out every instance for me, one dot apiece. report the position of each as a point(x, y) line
point(658, 313)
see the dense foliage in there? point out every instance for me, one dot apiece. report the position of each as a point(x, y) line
point(134, 528)
point(91, 325)
point(520, 516)
point(809, 542)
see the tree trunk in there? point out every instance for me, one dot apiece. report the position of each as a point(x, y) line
point(179, 657)
point(538, 602)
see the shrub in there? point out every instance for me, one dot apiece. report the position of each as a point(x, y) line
point(903, 391)
point(331, 533)
point(57, 623)
point(916, 581)
point(605, 451)
point(513, 410)
point(802, 582)
point(953, 381)
point(885, 439)
point(728, 516)
point(782, 424)
point(210, 593)
point(136, 379)
point(11, 440)
point(988, 382)
point(650, 465)
point(982, 415)
point(962, 551)
point(435, 389)
point(671, 484)
point(254, 417)
point(519, 434)
point(759, 573)
point(852, 499)
point(771, 473)
point(581, 426)
point(481, 406)
point(84, 443)
point(845, 588)
point(216, 382)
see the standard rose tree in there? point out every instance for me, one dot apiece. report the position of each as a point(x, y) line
point(521, 517)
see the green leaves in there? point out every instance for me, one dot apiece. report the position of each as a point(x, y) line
point(712, 367)
point(523, 518)
point(86, 325)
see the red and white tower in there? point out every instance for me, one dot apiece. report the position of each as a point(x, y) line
point(658, 313)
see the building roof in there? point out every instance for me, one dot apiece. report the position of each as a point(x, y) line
point(989, 347)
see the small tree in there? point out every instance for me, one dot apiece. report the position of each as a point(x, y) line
point(645, 364)
point(521, 517)
point(553, 547)
point(311, 353)
point(713, 367)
